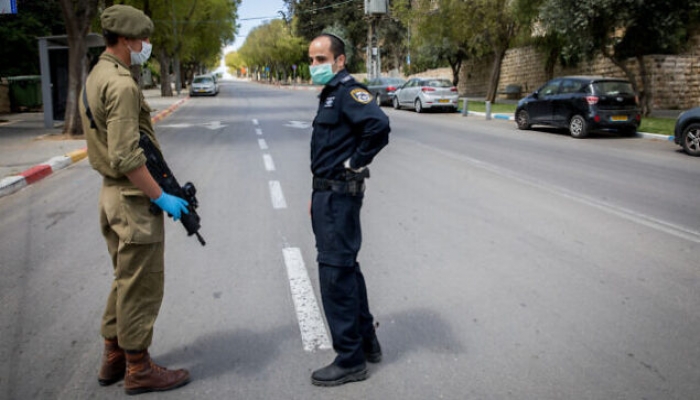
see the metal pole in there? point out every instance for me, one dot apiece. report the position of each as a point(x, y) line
point(176, 59)
point(488, 110)
point(465, 107)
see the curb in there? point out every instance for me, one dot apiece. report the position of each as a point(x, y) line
point(643, 135)
point(38, 172)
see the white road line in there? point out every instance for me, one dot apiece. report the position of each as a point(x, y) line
point(277, 196)
point(258, 131)
point(311, 325)
point(263, 144)
point(255, 122)
point(269, 164)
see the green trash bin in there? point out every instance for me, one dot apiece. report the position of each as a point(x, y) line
point(25, 92)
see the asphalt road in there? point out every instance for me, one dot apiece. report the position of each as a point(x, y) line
point(500, 264)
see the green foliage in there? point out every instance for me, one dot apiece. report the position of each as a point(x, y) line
point(273, 45)
point(19, 32)
point(312, 17)
point(195, 31)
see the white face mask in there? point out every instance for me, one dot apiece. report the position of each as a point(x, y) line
point(143, 56)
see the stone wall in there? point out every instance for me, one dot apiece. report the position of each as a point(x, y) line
point(675, 79)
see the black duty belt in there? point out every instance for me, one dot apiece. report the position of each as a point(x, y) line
point(352, 188)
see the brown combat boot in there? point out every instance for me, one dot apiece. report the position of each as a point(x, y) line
point(113, 363)
point(143, 375)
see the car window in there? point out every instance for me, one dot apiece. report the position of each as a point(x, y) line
point(439, 83)
point(613, 88)
point(202, 79)
point(550, 88)
point(569, 86)
point(395, 81)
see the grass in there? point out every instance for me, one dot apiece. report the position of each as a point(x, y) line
point(661, 126)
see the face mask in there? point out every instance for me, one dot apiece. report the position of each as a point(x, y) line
point(142, 57)
point(321, 74)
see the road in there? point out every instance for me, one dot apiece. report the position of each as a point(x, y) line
point(500, 264)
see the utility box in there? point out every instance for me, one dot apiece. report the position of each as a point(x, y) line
point(376, 7)
point(25, 92)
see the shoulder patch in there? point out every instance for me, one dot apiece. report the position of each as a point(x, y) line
point(361, 96)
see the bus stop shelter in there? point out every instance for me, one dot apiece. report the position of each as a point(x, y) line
point(53, 58)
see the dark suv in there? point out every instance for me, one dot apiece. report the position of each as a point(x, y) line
point(687, 131)
point(582, 104)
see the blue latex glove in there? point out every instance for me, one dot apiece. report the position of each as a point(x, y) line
point(172, 205)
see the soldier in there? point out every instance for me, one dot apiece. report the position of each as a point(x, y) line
point(114, 113)
point(348, 131)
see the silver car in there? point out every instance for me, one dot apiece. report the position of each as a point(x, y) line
point(427, 93)
point(383, 89)
point(204, 85)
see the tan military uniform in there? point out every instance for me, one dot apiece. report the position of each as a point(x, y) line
point(135, 237)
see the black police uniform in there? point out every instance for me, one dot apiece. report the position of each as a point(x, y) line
point(348, 125)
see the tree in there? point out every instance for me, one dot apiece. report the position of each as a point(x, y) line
point(499, 27)
point(440, 35)
point(78, 15)
point(19, 32)
point(312, 17)
point(188, 32)
point(273, 46)
point(622, 29)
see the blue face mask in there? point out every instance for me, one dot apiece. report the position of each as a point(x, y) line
point(321, 74)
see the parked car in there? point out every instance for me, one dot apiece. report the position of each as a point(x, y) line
point(687, 131)
point(383, 89)
point(204, 85)
point(426, 93)
point(582, 104)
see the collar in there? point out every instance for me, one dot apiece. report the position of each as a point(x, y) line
point(112, 58)
point(341, 77)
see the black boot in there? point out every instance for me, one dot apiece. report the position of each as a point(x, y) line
point(372, 349)
point(333, 375)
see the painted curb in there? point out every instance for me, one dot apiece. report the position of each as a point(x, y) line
point(643, 135)
point(38, 172)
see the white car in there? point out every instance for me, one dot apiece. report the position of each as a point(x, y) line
point(204, 85)
point(427, 93)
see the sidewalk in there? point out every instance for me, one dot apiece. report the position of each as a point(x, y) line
point(30, 152)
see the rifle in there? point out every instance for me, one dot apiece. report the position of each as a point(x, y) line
point(156, 165)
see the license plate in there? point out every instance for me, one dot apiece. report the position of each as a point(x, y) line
point(618, 118)
point(201, 90)
point(443, 101)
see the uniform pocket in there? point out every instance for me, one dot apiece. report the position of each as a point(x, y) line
point(142, 226)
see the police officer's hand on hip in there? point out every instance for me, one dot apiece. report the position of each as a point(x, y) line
point(348, 132)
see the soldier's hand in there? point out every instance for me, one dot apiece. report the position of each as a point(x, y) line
point(173, 205)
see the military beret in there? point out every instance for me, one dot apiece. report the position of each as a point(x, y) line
point(126, 21)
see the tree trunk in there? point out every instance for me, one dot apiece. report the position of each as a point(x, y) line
point(492, 90)
point(456, 66)
point(646, 95)
point(165, 89)
point(78, 16)
point(633, 79)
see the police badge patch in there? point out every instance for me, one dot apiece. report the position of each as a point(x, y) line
point(361, 96)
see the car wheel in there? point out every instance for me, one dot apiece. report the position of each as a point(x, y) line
point(396, 104)
point(691, 140)
point(578, 127)
point(378, 99)
point(523, 120)
point(418, 106)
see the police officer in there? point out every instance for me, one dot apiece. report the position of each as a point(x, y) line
point(114, 114)
point(348, 131)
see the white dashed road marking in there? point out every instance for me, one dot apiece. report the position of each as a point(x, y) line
point(311, 325)
point(277, 196)
point(269, 164)
point(263, 144)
